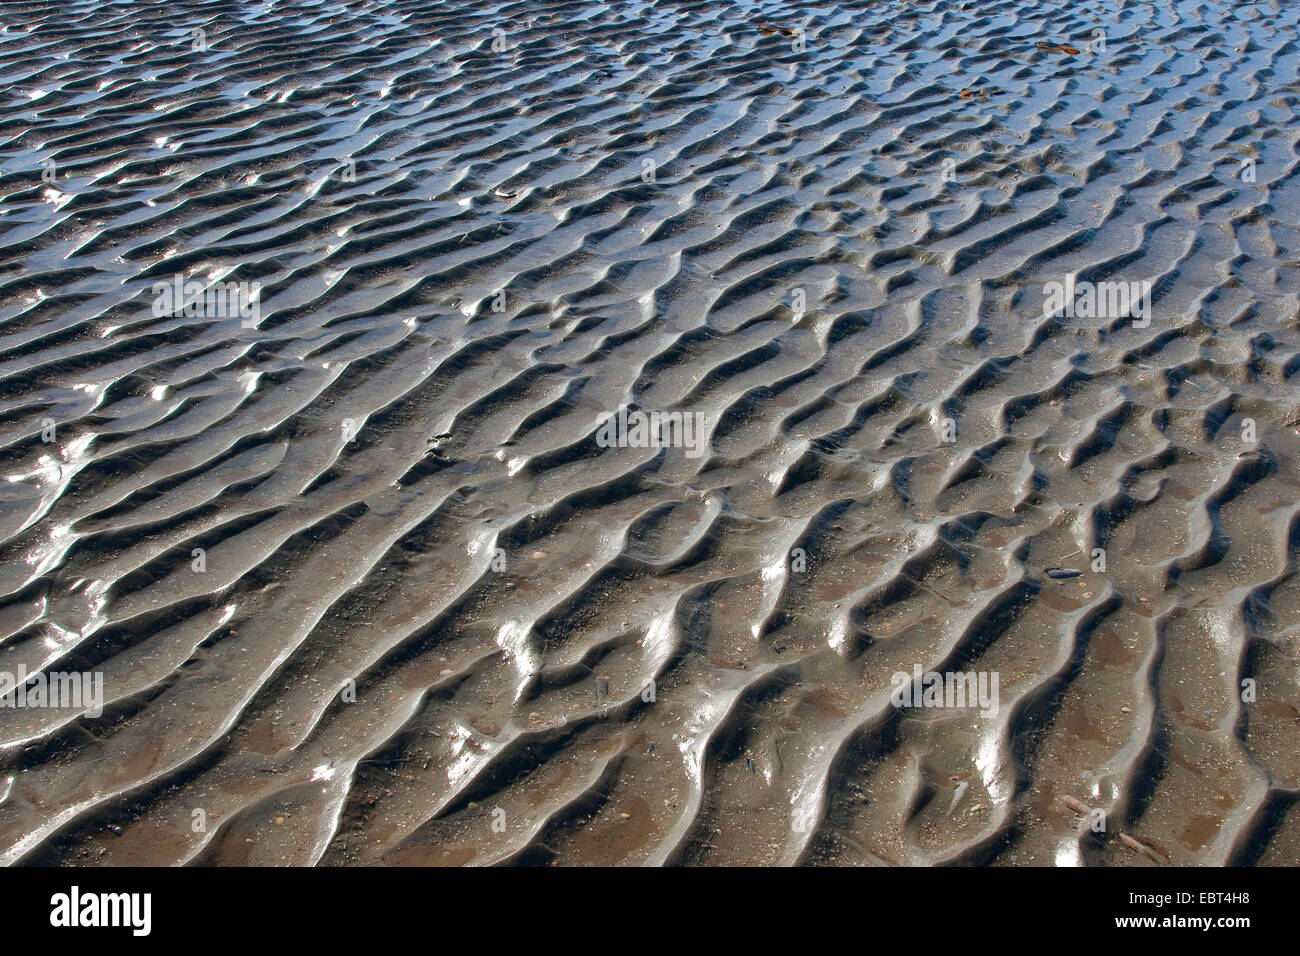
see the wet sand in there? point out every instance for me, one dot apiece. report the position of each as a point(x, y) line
point(362, 583)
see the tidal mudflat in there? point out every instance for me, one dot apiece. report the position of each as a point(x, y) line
point(631, 433)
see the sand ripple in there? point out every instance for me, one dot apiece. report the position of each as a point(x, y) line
point(437, 622)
